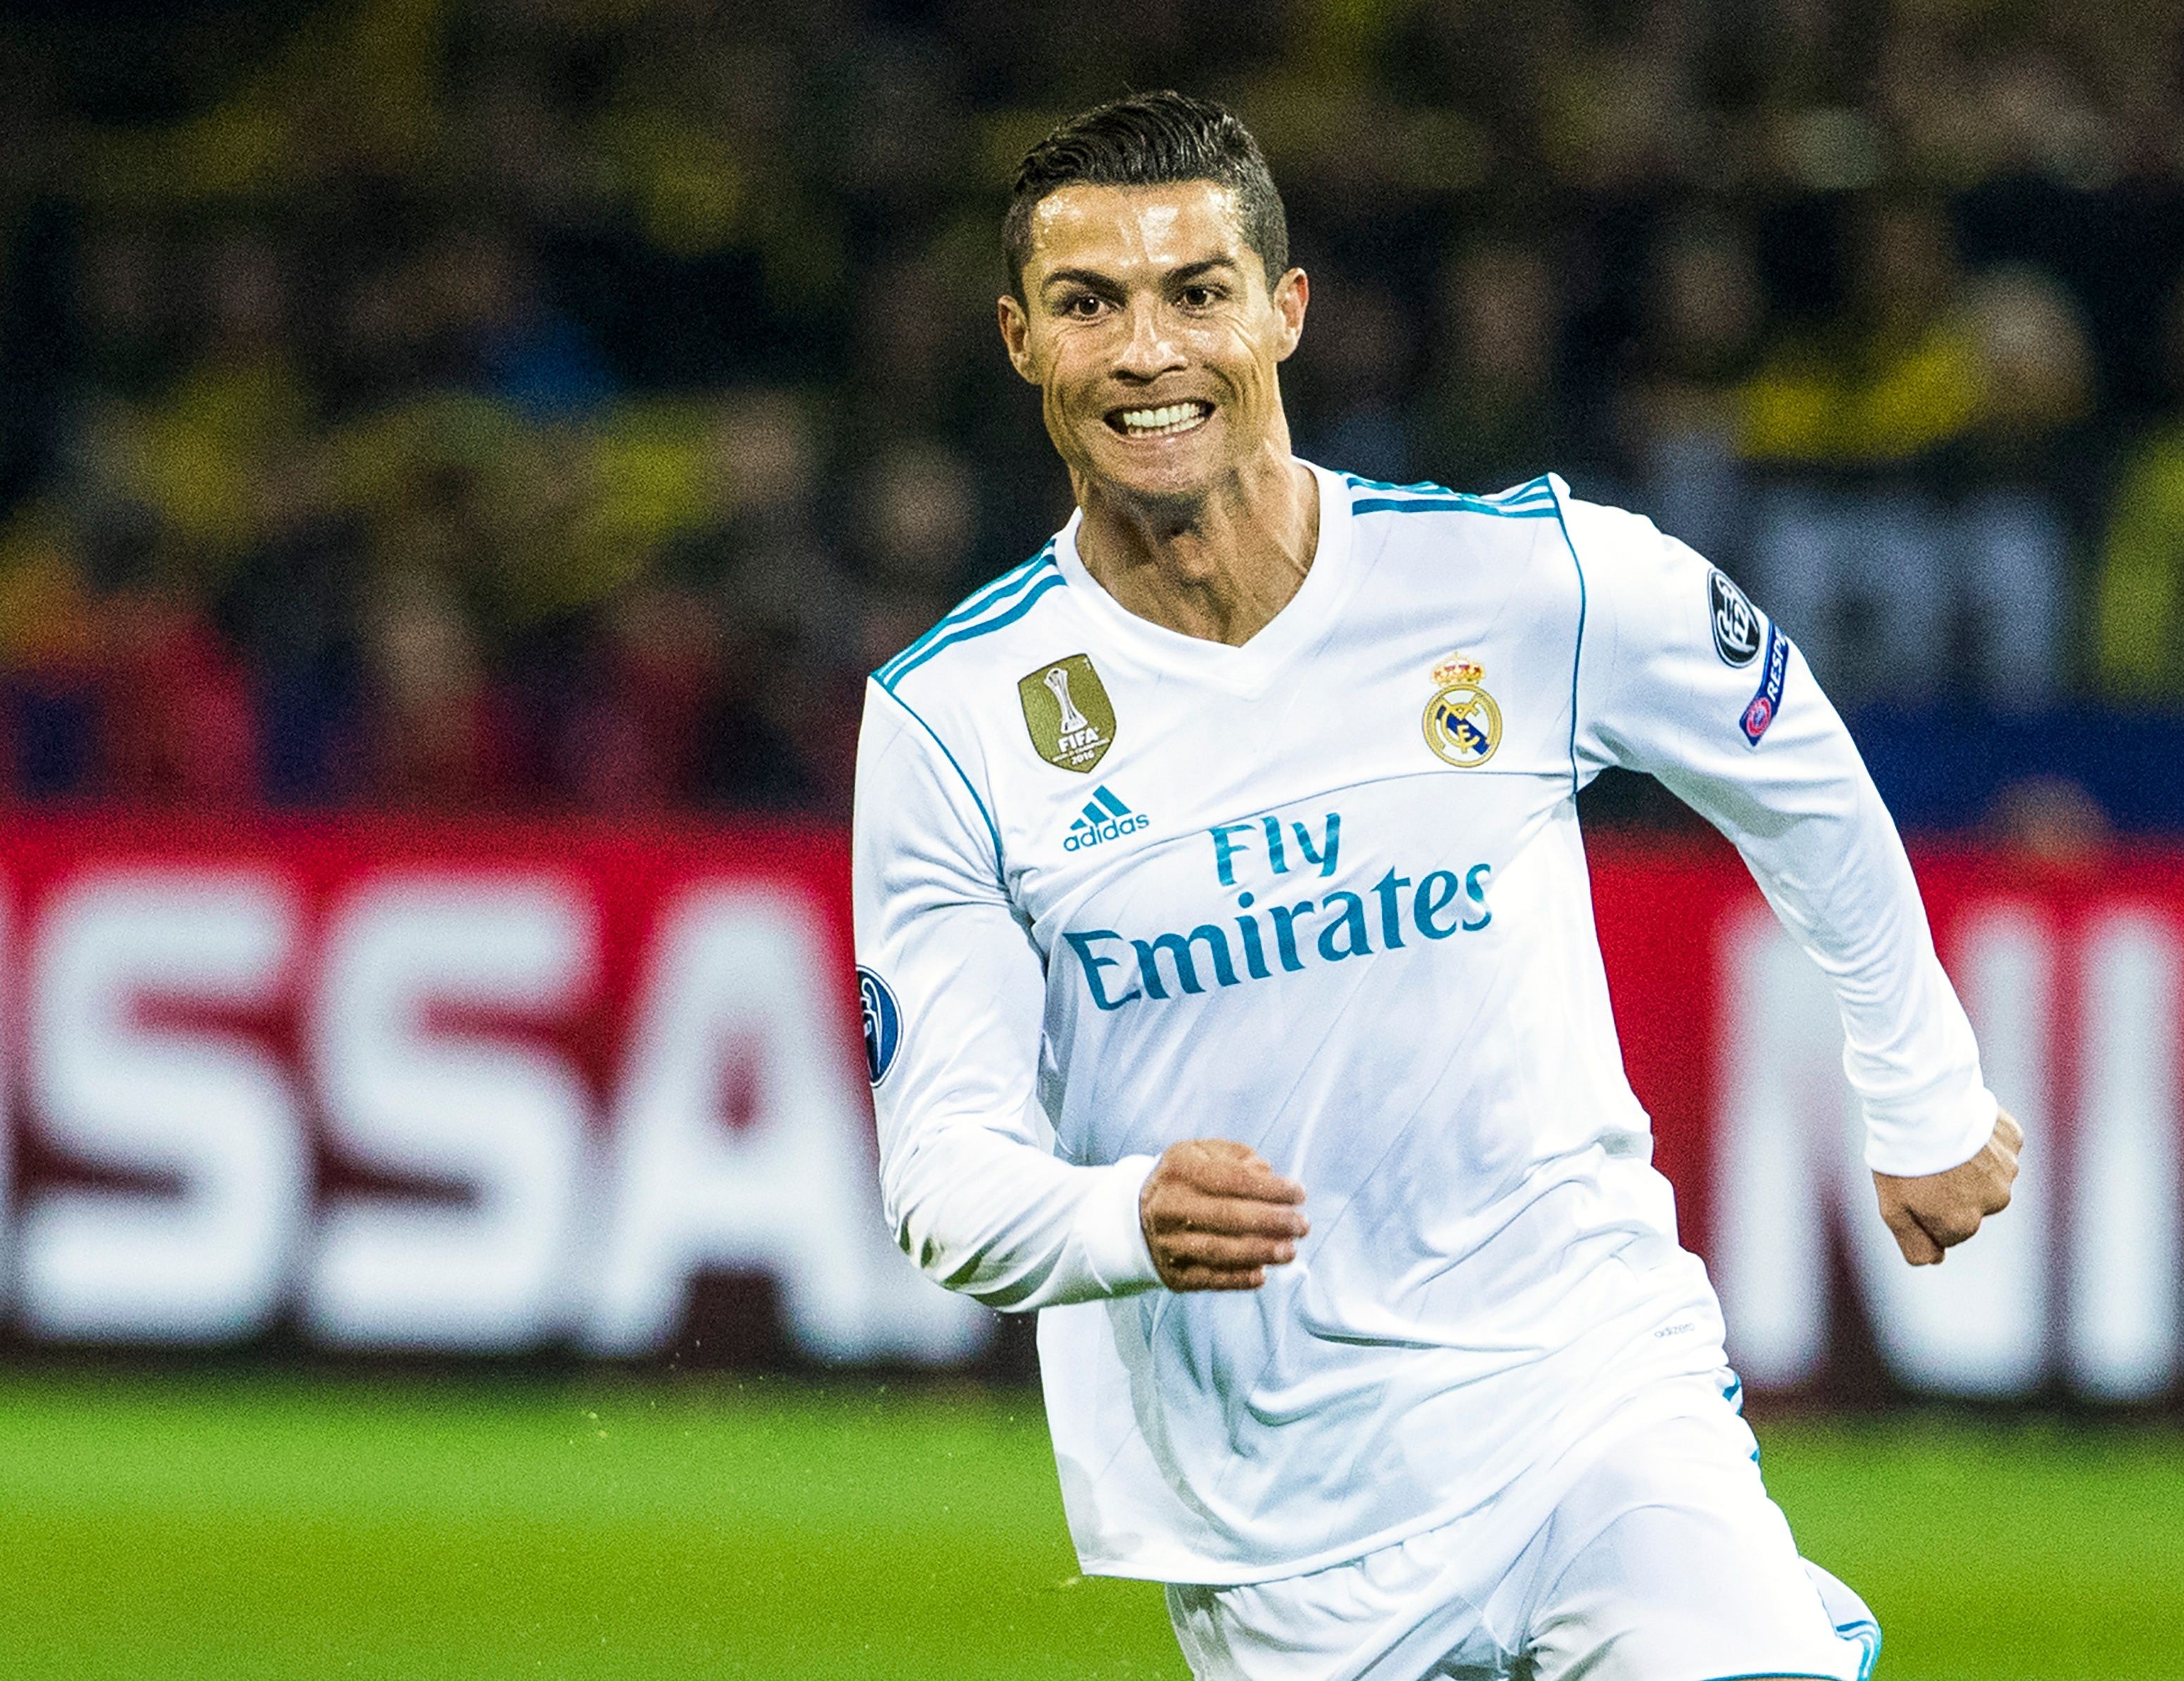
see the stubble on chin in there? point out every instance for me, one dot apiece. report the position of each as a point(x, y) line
point(1164, 498)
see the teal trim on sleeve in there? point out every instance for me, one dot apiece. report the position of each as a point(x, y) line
point(1577, 649)
point(1000, 876)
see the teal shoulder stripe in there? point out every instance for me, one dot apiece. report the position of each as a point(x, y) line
point(1532, 491)
point(894, 673)
point(967, 786)
point(1448, 505)
point(979, 601)
point(1379, 484)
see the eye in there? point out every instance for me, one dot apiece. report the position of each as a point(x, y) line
point(1082, 306)
point(1200, 297)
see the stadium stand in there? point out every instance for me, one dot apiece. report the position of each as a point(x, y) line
point(560, 404)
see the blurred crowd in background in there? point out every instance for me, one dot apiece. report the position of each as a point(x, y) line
point(561, 404)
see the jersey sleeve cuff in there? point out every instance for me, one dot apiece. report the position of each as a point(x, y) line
point(1943, 1137)
point(1110, 1232)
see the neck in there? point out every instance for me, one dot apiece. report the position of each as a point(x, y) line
point(1217, 567)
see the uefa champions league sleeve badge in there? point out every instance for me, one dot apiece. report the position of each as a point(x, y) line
point(1463, 723)
point(1066, 709)
point(882, 1023)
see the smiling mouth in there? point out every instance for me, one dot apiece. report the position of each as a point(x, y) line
point(1165, 422)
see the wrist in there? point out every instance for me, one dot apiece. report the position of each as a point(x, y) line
point(1110, 1228)
point(1945, 1136)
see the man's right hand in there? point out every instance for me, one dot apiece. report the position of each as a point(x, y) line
point(1216, 1216)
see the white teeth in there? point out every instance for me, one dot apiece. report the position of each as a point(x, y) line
point(1175, 418)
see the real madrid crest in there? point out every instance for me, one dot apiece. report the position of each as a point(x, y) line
point(1066, 709)
point(1463, 723)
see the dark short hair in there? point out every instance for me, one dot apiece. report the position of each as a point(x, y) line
point(1151, 140)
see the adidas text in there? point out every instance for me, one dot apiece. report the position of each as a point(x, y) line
point(1087, 834)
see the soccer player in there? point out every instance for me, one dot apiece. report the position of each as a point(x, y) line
point(1232, 996)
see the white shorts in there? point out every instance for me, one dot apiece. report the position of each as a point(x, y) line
point(1660, 1558)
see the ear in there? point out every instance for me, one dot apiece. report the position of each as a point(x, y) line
point(1016, 337)
point(1292, 293)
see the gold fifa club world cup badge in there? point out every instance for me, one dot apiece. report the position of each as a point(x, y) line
point(1066, 709)
point(1463, 723)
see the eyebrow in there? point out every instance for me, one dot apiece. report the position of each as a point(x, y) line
point(1099, 283)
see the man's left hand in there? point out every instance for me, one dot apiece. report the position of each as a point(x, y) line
point(1934, 1212)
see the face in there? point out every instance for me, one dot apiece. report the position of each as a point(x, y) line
point(1148, 326)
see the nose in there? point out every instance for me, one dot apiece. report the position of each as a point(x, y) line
point(1151, 349)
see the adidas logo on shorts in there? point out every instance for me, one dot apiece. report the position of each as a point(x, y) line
point(1105, 817)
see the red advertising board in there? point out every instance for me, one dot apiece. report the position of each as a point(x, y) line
point(502, 1086)
point(490, 1086)
point(2071, 974)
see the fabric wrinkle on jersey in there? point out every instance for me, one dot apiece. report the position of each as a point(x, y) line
point(1649, 1551)
point(1351, 926)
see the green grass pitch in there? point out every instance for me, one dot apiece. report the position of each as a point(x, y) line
point(233, 1529)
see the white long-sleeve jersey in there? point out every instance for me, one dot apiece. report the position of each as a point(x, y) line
point(1324, 894)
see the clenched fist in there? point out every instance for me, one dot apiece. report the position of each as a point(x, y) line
point(1934, 1211)
point(1216, 1216)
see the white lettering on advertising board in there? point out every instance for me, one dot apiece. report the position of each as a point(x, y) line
point(206, 1251)
point(552, 1223)
point(553, 1209)
point(2079, 1278)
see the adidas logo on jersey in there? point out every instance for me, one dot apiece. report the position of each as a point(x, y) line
point(1105, 817)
